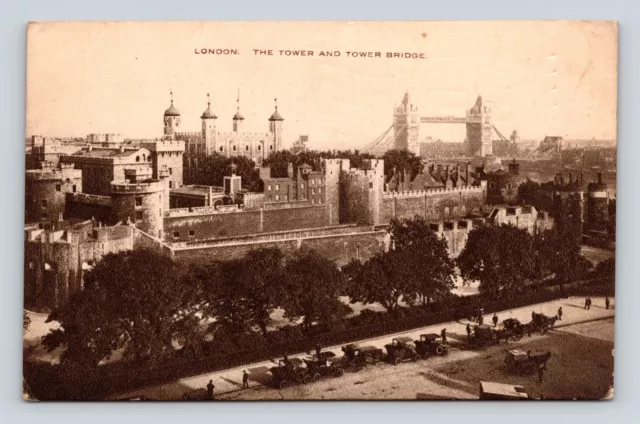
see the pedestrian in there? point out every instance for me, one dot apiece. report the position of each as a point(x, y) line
point(533, 315)
point(560, 313)
point(607, 303)
point(210, 388)
point(443, 333)
point(245, 380)
point(469, 332)
point(540, 372)
point(589, 306)
point(495, 320)
point(318, 350)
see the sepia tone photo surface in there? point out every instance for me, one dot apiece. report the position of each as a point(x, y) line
point(320, 210)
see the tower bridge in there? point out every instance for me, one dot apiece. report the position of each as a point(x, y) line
point(406, 126)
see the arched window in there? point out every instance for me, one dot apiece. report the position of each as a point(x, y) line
point(259, 147)
point(137, 158)
point(144, 157)
point(246, 147)
point(234, 148)
point(222, 148)
point(270, 146)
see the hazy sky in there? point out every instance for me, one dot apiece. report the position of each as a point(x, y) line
point(541, 78)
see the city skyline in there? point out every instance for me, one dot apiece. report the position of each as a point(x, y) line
point(117, 78)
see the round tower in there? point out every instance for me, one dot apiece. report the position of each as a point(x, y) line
point(142, 204)
point(209, 127)
point(275, 130)
point(171, 120)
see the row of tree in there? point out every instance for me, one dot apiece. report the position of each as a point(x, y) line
point(146, 304)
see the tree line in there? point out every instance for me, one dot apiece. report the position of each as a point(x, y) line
point(150, 307)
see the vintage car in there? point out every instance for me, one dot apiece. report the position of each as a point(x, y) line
point(401, 349)
point(288, 372)
point(323, 366)
point(429, 345)
point(358, 356)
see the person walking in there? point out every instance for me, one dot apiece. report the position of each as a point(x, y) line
point(443, 334)
point(468, 332)
point(210, 388)
point(589, 307)
point(540, 372)
point(586, 303)
point(607, 303)
point(318, 350)
point(245, 379)
point(560, 313)
point(495, 320)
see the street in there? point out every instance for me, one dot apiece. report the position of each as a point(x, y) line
point(581, 344)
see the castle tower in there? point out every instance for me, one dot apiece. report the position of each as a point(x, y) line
point(275, 130)
point(479, 130)
point(140, 203)
point(238, 119)
point(406, 125)
point(209, 128)
point(232, 184)
point(171, 120)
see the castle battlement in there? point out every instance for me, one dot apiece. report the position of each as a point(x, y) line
point(143, 187)
point(92, 199)
point(433, 192)
point(47, 174)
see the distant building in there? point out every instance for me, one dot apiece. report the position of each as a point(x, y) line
point(551, 144)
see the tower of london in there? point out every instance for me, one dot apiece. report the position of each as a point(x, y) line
point(237, 142)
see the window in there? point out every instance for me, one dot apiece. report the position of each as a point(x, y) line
point(313, 201)
point(176, 234)
point(44, 203)
point(73, 188)
point(137, 158)
point(302, 186)
point(234, 148)
point(319, 190)
point(58, 187)
point(144, 157)
point(259, 147)
point(246, 148)
point(192, 233)
point(277, 197)
point(170, 184)
point(138, 201)
point(313, 191)
point(286, 197)
point(221, 148)
point(138, 215)
point(313, 181)
point(170, 171)
point(370, 185)
point(270, 146)
point(269, 187)
point(277, 186)
point(319, 200)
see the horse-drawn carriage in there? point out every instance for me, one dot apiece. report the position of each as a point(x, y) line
point(521, 362)
point(358, 356)
point(511, 328)
point(483, 335)
point(541, 323)
point(429, 345)
point(401, 349)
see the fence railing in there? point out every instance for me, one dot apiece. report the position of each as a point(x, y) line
point(65, 382)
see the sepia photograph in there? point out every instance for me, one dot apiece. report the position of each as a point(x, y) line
point(251, 211)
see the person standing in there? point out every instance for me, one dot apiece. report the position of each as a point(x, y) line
point(495, 320)
point(468, 332)
point(607, 303)
point(245, 379)
point(560, 313)
point(586, 303)
point(318, 350)
point(210, 388)
point(540, 372)
point(443, 334)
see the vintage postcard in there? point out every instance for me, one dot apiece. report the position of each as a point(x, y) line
point(320, 210)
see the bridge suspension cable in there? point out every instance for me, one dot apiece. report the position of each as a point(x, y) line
point(503, 138)
point(378, 141)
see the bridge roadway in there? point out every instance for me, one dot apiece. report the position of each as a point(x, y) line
point(229, 381)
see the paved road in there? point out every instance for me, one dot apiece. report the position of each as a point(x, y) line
point(230, 380)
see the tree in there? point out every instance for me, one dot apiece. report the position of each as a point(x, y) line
point(215, 167)
point(136, 300)
point(312, 286)
point(426, 254)
point(500, 257)
point(401, 160)
point(384, 279)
